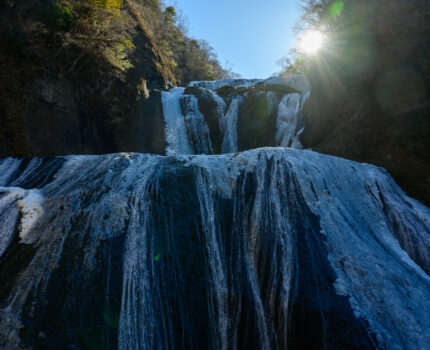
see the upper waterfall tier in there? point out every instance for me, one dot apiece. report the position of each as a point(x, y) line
point(267, 249)
point(298, 82)
point(230, 115)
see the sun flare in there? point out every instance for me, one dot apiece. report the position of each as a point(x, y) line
point(311, 41)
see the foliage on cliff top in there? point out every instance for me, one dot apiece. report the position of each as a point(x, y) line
point(192, 59)
point(80, 35)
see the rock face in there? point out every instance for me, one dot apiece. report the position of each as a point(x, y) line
point(47, 111)
point(266, 249)
point(383, 124)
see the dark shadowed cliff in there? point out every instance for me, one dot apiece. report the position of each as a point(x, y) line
point(370, 97)
point(356, 127)
point(76, 75)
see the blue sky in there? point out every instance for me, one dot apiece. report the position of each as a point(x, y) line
point(249, 34)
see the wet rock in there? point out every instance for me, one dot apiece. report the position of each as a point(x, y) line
point(192, 90)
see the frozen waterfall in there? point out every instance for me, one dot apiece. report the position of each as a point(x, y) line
point(187, 130)
point(211, 246)
point(267, 249)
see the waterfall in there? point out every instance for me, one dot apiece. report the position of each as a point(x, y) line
point(266, 249)
point(221, 106)
point(198, 131)
point(187, 130)
point(288, 121)
point(228, 125)
point(9, 216)
point(137, 318)
point(176, 130)
point(289, 124)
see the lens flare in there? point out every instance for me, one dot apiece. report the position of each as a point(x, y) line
point(336, 8)
point(311, 41)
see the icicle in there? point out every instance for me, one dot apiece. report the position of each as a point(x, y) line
point(176, 131)
point(197, 129)
point(186, 133)
point(228, 126)
point(288, 120)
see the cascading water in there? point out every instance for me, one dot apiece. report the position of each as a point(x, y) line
point(186, 128)
point(188, 133)
point(176, 130)
point(288, 119)
point(228, 126)
point(271, 248)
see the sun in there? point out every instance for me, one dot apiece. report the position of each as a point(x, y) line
point(311, 41)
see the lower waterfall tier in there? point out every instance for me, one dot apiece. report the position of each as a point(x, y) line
point(267, 249)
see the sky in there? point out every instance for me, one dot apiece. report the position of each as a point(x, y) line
point(249, 35)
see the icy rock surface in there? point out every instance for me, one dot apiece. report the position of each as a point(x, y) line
point(266, 249)
point(214, 85)
point(298, 82)
point(228, 125)
point(288, 123)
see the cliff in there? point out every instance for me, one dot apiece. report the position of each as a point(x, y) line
point(372, 120)
point(77, 98)
point(370, 97)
